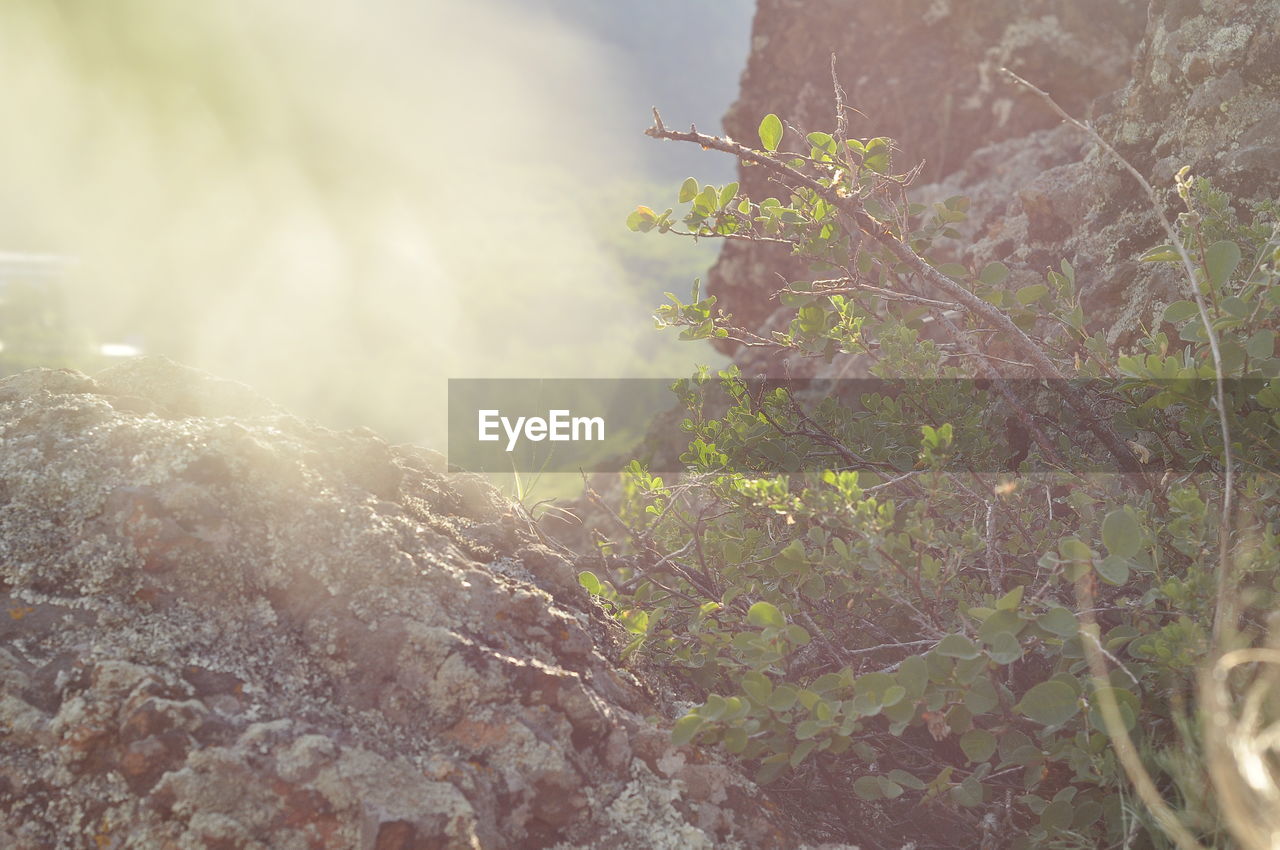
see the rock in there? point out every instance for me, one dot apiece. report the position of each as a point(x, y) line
point(1169, 83)
point(228, 628)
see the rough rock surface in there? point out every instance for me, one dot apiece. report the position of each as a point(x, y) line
point(1169, 83)
point(225, 628)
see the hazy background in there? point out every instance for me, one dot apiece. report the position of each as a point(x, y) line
point(344, 203)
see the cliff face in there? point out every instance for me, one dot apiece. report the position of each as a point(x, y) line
point(227, 628)
point(1169, 83)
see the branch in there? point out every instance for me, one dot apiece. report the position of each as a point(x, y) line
point(880, 233)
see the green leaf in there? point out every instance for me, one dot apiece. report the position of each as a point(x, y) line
point(906, 779)
point(800, 753)
point(783, 698)
point(913, 676)
point(957, 646)
point(1113, 569)
point(771, 767)
point(827, 682)
point(1261, 344)
point(1005, 648)
point(763, 614)
point(981, 697)
point(1057, 815)
point(969, 670)
point(1121, 534)
point(685, 728)
point(874, 685)
point(642, 219)
point(688, 190)
point(1220, 260)
point(978, 745)
point(1059, 621)
point(893, 695)
point(588, 579)
point(953, 270)
point(736, 708)
point(1236, 307)
point(757, 686)
point(868, 787)
point(1087, 814)
point(728, 193)
point(994, 274)
point(807, 729)
point(705, 201)
point(876, 157)
point(1049, 703)
point(1001, 622)
point(968, 793)
point(771, 132)
point(1180, 311)
point(1160, 254)
point(796, 635)
point(1010, 600)
point(713, 708)
point(1074, 549)
point(890, 789)
point(1033, 293)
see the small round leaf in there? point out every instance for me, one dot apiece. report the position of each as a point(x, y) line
point(1005, 648)
point(957, 646)
point(1121, 534)
point(1220, 260)
point(1180, 311)
point(868, 787)
point(1049, 703)
point(688, 190)
point(685, 728)
point(1057, 815)
point(1059, 621)
point(978, 745)
point(993, 274)
point(764, 614)
point(771, 132)
point(1113, 569)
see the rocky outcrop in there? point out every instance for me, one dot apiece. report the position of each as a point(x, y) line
point(226, 628)
point(1169, 83)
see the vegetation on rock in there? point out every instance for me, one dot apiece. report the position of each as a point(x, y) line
point(912, 597)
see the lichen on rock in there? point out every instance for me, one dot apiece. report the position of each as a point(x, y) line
point(226, 627)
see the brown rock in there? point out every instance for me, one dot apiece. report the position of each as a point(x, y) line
point(1169, 83)
point(245, 632)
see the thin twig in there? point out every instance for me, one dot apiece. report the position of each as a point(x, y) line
point(1113, 659)
point(740, 237)
point(993, 556)
point(1225, 606)
point(833, 286)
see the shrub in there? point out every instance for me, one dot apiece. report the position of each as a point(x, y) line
point(892, 599)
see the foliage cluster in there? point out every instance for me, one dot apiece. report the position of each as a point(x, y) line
point(882, 605)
